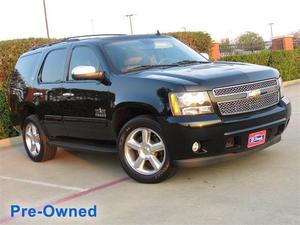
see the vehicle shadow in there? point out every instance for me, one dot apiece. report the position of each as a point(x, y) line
point(109, 163)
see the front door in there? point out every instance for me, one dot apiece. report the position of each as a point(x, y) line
point(85, 102)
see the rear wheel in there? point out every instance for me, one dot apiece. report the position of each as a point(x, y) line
point(36, 142)
point(143, 152)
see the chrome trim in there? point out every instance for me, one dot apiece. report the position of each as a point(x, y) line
point(201, 123)
point(68, 94)
point(247, 111)
point(240, 85)
point(236, 99)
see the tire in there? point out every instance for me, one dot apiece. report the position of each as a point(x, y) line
point(143, 152)
point(36, 142)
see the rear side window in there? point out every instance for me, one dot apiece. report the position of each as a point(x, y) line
point(26, 65)
point(54, 66)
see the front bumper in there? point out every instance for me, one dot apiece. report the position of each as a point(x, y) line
point(213, 132)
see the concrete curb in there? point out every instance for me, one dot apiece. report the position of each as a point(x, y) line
point(291, 82)
point(8, 142)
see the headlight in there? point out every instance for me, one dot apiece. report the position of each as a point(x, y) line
point(280, 82)
point(190, 103)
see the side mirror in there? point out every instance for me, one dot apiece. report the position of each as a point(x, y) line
point(87, 73)
point(205, 55)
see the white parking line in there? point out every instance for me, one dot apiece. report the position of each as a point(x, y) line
point(69, 188)
point(295, 112)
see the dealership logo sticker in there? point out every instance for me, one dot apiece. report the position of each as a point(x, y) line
point(257, 138)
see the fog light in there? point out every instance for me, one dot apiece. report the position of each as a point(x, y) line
point(196, 146)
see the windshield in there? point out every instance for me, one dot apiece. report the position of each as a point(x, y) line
point(139, 54)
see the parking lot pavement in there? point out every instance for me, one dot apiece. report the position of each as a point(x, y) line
point(262, 188)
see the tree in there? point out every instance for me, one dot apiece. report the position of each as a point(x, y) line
point(297, 34)
point(297, 39)
point(226, 47)
point(199, 41)
point(250, 41)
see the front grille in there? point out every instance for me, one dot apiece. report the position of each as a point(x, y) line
point(237, 99)
point(231, 90)
point(248, 104)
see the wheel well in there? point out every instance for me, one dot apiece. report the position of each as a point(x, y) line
point(24, 112)
point(122, 116)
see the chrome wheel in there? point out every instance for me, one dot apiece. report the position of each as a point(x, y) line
point(32, 139)
point(145, 151)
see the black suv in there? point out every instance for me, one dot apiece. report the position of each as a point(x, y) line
point(152, 99)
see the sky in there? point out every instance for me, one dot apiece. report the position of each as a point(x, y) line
point(220, 18)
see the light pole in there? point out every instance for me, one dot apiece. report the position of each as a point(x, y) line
point(271, 28)
point(46, 20)
point(130, 22)
point(92, 26)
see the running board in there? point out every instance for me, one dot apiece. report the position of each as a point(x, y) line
point(84, 145)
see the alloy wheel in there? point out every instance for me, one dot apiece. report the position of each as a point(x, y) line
point(32, 139)
point(145, 151)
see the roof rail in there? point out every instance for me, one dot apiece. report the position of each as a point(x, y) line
point(49, 44)
point(92, 35)
point(74, 38)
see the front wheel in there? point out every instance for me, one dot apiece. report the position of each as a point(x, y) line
point(143, 152)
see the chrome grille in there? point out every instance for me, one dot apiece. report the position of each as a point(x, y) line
point(231, 90)
point(248, 104)
point(237, 99)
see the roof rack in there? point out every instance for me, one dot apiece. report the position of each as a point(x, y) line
point(75, 38)
point(93, 35)
point(50, 44)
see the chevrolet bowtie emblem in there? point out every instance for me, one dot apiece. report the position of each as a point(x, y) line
point(253, 94)
point(100, 113)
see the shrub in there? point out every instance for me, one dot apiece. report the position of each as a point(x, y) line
point(12, 49)
point(287, 62)
point(9, 54)
point(6, 129)
point(199, 41)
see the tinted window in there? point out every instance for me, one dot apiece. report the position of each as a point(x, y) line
point(54, 66)
point(26, 65)
point(83, 56)
point(128, 54)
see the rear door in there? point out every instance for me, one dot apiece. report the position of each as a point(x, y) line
point(86, 101)
point(47, 94)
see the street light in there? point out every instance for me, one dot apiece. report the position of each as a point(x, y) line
point(271, 28)
point(130, 22)
point(92, 26)
point(46, 20)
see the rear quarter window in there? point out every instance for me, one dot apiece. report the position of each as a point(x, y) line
point(26, 66)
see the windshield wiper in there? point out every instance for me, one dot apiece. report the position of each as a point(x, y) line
point(186, 62)
point(179, 63)
point(146, 67)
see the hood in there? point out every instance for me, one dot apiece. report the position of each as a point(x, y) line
point(211, 75)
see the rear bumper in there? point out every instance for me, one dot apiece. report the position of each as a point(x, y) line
point(213, 132)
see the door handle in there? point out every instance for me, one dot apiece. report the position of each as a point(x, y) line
point(68, 94)
point(38, 94)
